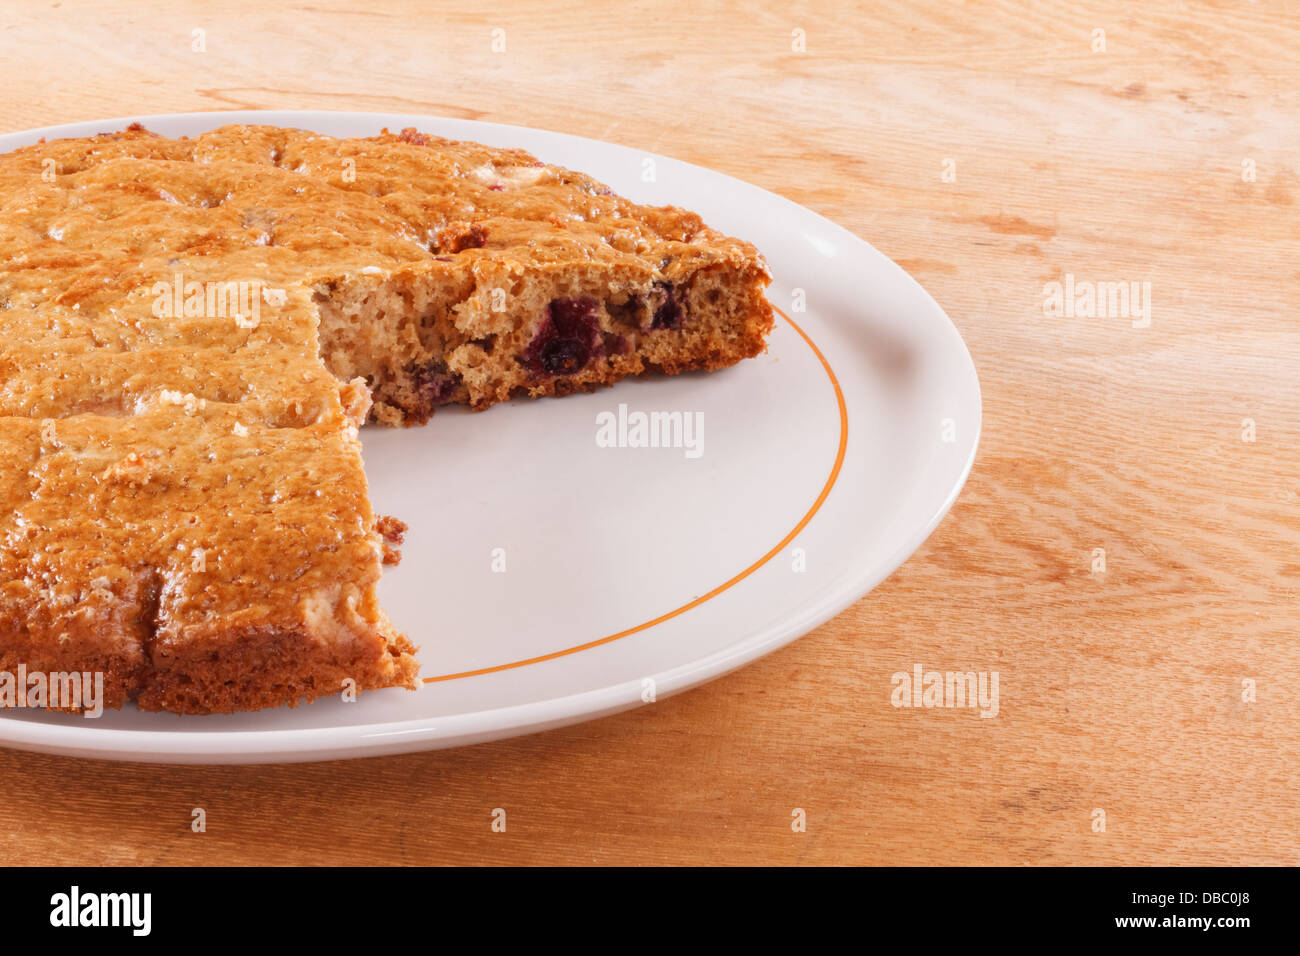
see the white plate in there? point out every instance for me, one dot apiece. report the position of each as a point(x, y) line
point(626, 569)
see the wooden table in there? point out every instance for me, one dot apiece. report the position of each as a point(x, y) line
point(991, 149)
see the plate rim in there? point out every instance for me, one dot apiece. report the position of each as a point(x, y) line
point(295, 745)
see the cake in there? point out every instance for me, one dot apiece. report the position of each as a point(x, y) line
point(195, 329)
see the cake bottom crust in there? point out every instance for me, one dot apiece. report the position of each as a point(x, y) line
point(267, 668)
point(122, 676)
point(255, 670)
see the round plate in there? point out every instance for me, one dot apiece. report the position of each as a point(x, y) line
point(556, 569)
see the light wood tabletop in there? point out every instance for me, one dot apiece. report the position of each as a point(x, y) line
point(1126, 554)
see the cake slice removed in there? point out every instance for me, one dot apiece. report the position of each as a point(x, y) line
point(194, 331)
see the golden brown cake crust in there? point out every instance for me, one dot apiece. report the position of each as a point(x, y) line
point(183, 501)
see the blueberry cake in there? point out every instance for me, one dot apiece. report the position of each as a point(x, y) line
point(195, 329)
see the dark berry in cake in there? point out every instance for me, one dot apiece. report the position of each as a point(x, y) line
point(569, 338)
point(668, 314)
point(434, 384)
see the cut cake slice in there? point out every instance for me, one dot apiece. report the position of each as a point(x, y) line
point(194, 330)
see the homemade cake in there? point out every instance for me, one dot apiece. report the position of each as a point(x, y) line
point(194, 329)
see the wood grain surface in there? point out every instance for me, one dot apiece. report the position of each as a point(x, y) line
point(991, 149)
